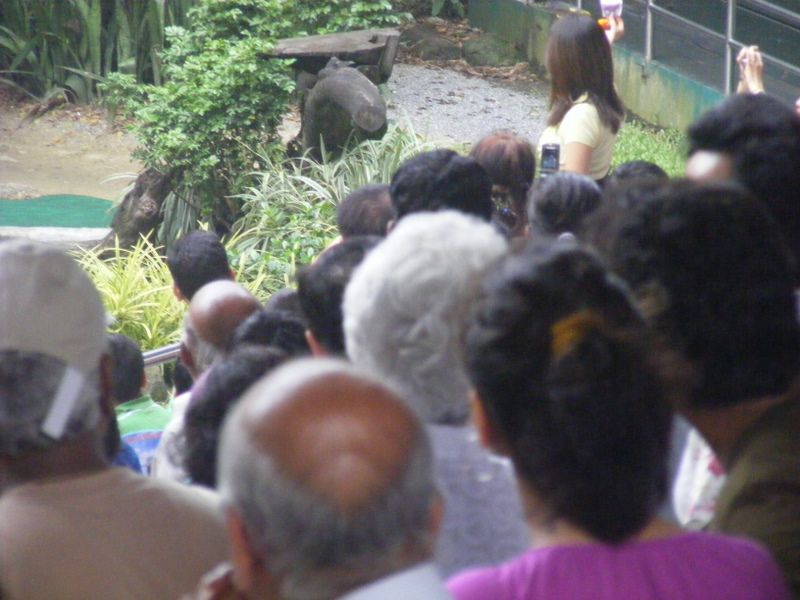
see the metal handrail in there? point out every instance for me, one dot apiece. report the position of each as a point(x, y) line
point(161, 355)
point(760, 7)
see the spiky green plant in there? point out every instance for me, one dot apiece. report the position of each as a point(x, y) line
point(136, 287)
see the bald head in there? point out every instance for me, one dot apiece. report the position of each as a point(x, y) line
point(329, 471)
point(218, 308)
point(359, 441)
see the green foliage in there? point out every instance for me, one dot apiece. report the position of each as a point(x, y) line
point(136, 287)
point(290, 216)
point(223, 97)
point(664, 147)
point(67, 46)
point(345, 15)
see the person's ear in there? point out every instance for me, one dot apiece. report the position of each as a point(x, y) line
point(490, 438)
point(244, 564)
point(249, 575)
point(390, 225)
point(317, 349)
point(178, 294)
point(188, 360)
point(232, 274)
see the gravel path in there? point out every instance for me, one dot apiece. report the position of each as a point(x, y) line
point(446, 105)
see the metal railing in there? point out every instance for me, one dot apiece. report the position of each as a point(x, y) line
point(161, 355)
point(762, 8)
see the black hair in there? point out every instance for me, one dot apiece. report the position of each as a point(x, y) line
point(560, 363)
point(226, 382)
point(365, 211)
point(321, 285)
point(441, 180)
point(127, 368)
point(560, 203)
point(286, 299)
point(713, 275)
point(761, 135)
point(277, 328)
point(636, 170)
point(197, 259)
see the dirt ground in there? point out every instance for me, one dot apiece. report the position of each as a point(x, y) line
point(68, 150)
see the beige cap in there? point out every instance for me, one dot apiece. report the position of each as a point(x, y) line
point(49, 305)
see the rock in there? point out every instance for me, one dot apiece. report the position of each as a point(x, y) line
point(490, 51)
point(436, 47)
point(16, 191)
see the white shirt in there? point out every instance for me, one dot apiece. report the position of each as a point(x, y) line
point(422, 582)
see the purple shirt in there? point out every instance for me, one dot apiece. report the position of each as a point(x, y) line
point(689, 566)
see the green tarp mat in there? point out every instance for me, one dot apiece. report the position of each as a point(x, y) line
point(56, 211)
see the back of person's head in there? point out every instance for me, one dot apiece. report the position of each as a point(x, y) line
point(712, 274)
point(285, 299)
point(324, 513)
point(225, 384)
point(406, 305)
point(441, 180)
point(277, 328)
point(579, 62)
point(52, 340)
point(365, 211)
point(511, 164)
point(127, 368)
point(321, 285)
point(560, 368)
point(195, 260)
point(761, 137)
point(561, 202)
point(636, 170)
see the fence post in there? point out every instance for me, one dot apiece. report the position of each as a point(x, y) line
point(730, 27)
point(648, 31)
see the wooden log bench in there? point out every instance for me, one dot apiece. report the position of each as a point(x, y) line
point(372, 51)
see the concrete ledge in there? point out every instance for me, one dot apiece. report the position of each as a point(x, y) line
point(67, 237)
point(654, 92)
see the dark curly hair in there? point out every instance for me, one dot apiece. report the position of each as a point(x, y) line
point(712, 274)
point(227, 381)
point(761, 135)
point(557, 356)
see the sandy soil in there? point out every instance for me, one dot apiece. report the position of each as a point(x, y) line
point(69, 150)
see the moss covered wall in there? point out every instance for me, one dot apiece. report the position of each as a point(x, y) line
point(654, 92)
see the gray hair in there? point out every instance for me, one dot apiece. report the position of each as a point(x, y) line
point(203, 352)
point(306, 543)
point(29, 382)
point(406, 307)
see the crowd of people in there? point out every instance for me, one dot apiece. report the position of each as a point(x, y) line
point(492, 386)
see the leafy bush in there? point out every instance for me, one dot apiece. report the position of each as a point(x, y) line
point(224, 96)
point(665, 147)
point(290, 216)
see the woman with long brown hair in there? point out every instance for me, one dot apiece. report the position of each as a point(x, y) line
point(585, 110)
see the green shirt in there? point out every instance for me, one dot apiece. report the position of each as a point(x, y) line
point(141, 414)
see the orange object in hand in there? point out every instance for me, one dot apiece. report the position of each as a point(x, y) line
point(604, 24)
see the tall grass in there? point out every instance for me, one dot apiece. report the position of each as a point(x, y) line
point(50, 47)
